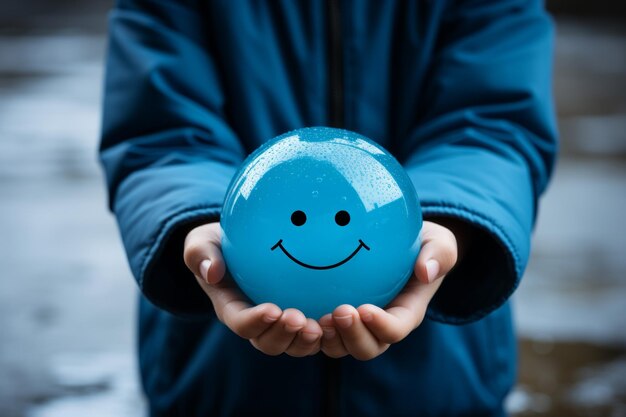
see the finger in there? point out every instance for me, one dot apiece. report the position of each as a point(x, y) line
point(307, 340)
point(233, 309)
point(250, 322)
point(356, 337)
point(202, 253)
point(281, 334)
point(438, 254)
point(222, 295)
point(390, 326)
point(331, 345)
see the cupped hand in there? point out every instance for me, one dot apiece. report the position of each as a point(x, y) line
point(266, 326)
point(368, 331)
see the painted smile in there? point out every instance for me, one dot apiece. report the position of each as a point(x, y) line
point(279, 244)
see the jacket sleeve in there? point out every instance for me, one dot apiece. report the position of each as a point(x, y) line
point(485, 146)
point(166, 147)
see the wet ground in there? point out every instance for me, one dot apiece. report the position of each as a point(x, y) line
point(571, 306)
point(67, 300)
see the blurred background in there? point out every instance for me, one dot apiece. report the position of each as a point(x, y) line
point(67, 300)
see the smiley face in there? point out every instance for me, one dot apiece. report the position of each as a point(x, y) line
point(320, 217)
point(298, 218)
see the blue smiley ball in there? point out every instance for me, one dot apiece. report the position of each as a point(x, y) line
point(320, 217)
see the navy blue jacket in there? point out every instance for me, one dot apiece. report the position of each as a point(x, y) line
point(458, 91)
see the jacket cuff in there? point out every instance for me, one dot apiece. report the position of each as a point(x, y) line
point(494, 196)
point(484, 278)
point(164, 279)
point(155, 209)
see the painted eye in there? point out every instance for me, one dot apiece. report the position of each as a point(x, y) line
point(342, 218)
point(298, 218)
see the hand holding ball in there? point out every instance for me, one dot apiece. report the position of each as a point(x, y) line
point(320, 217)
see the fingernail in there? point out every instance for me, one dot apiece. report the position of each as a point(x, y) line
point(270, 319)
point(367, 316)
point(344, 321)
point(329, 332)
point(291, 328)
point(309, 337)
point(204, 270)
point(432, 269)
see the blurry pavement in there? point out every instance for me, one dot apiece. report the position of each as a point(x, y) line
point(571, 305)
point(67, 300)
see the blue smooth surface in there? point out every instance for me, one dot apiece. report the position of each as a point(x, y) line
point(321, 264)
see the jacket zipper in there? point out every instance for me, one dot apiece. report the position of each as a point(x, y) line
point(336, 119)
point(335, 65)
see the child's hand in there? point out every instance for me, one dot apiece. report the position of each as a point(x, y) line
point(368, 331)
point(269, 329)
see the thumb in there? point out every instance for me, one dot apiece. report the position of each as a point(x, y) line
point(202, 253)
point(438, 254)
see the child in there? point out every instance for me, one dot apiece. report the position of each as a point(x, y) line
point(460, 92)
